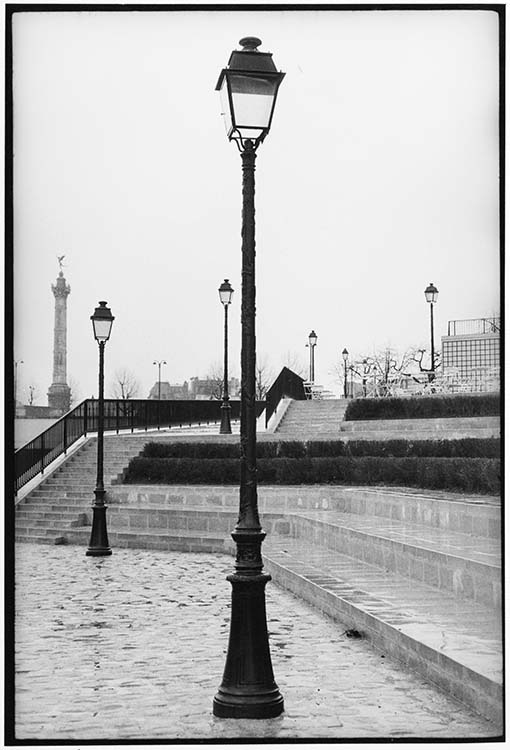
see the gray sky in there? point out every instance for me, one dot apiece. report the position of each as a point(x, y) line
point(380, 175)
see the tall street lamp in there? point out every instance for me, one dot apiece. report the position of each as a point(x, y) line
point(312, 343)
point(225, 291)
point(248, 88)
point(431, 297)
point(16, 363)
point(159, 363)
point(102, 321)
point(345, 357)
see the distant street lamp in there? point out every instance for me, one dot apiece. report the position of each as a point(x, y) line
point(16, 363)
point(431, 296)
point(345, 357)
point(102, 321)
point(312, 343)
point(248, 88)
point(159, 363)
point(225, 292)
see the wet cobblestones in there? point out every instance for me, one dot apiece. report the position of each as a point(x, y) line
point(132, 647)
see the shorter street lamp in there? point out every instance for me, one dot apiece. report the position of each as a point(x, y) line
point(159, 363)
point(225, 291)
point(312, 343)
point(345, 356)
point(431, 297)
point(16, 363)
point(102, 321)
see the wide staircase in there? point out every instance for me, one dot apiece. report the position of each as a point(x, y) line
point(305, 420)
point(418, 573)
point(312, 419)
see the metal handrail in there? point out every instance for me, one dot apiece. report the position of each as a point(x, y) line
point(35, 456)
point(474, 326)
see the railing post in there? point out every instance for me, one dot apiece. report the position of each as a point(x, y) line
point(85, 403)
point(42, 453)
point(117, 415)
point(146, 414)
point(131, 416)
point(65, 435)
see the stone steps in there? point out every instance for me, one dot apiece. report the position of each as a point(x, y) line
point(467, 566)
point(327, 554)
point(312, 417)
point(454, 644)
point(325, 419)
point(158, 539)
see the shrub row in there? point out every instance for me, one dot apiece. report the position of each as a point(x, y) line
point(415, 407)
point(461, 474)
point(465, 447)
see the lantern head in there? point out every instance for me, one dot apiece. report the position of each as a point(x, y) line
point(248, 88)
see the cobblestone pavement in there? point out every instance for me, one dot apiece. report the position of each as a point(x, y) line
point(133, 646)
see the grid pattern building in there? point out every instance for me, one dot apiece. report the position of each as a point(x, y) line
point(472, 348)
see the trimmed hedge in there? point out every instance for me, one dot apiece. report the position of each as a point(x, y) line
point(428, 407)
point(461, 474)
point(465, 447)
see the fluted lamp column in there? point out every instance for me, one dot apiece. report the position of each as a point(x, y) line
point(225, 291)
point(248, 89)
point(102, 321)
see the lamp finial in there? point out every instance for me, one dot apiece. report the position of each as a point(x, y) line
point(250, 43)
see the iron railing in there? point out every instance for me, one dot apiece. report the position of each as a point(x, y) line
point(286, 385)
point(474, 326)
point(33, 458)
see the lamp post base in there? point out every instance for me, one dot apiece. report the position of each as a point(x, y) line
point(225, 428)
point(98, 545)
point(248, 690)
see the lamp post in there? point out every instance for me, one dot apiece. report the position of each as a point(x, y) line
point(16, 363)
point(345, 357)
point(431, 297)
point(312, 343)
point(159, 363)
point(102, 321)
point(248, 89)
point(225, 291)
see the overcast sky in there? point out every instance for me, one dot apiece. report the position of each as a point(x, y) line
point(379, 176)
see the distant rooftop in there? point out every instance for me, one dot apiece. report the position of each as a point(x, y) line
point(474, 326)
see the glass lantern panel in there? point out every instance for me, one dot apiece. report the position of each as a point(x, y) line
point(225, 297)
point(252, 100)
point(102, 329)
point(225, 106)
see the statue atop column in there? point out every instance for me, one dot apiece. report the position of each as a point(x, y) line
point(59, 393)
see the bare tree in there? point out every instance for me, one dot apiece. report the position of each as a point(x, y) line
point(216, 377)
point(125, 385)
point(264, 378)
point(295, 363)
point(418, 355)
point(380, 373)
point(74, 395)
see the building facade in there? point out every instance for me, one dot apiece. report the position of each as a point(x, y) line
point(167, 392)
point(471, 350)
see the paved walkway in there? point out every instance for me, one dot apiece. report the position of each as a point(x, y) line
point(133, 647)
